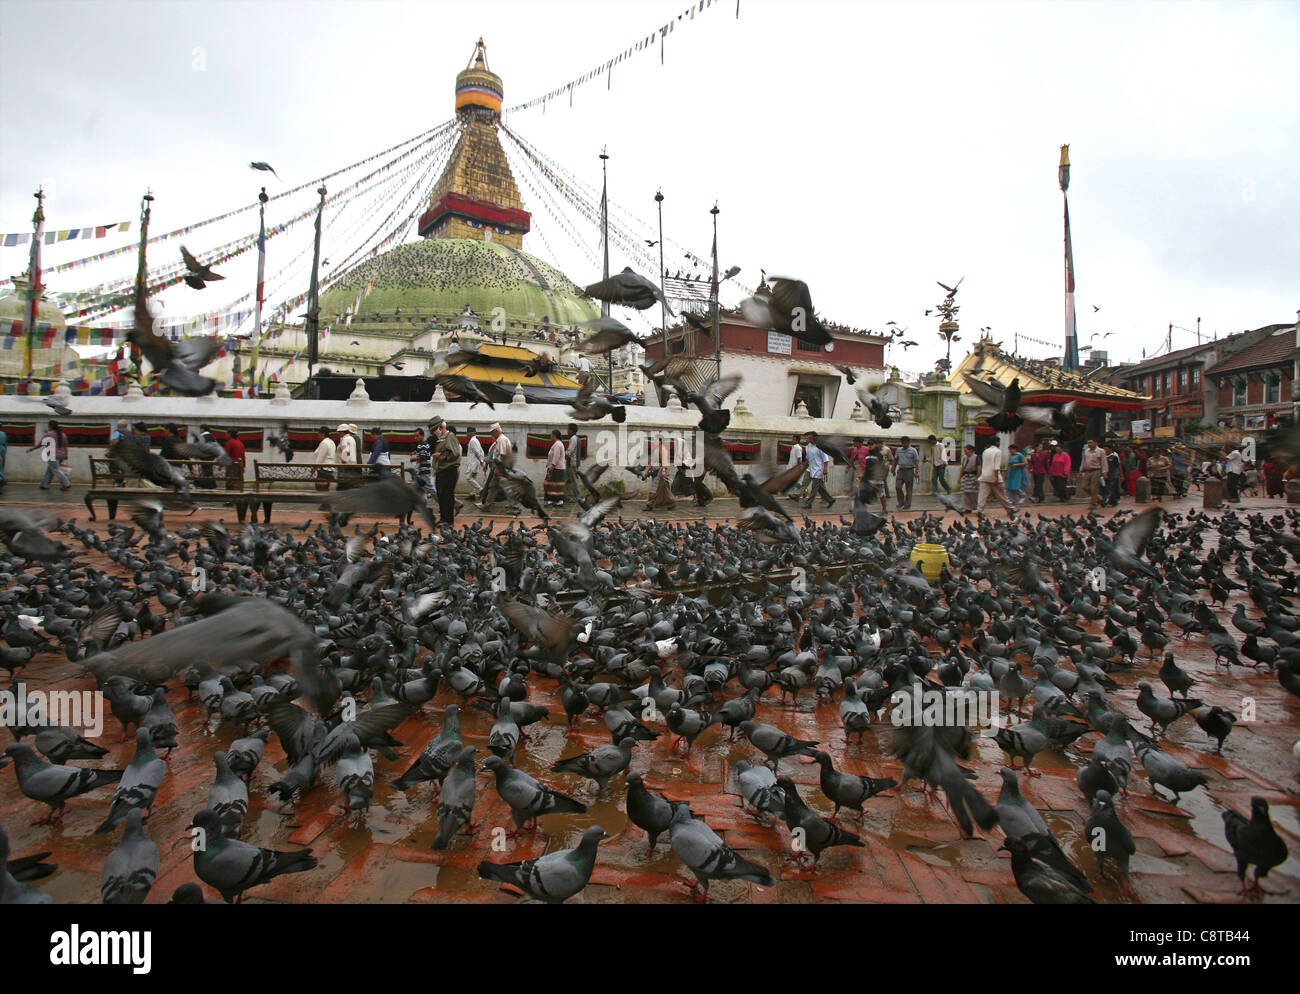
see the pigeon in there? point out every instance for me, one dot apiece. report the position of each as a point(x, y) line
point(759, 789)
point(264, 167)
point(553, 878)
point(630, 289)
point(52, 784)
point(687, 724)
point(1165, 771)
point(1216, 722)
point(1043, 874)
point(818, 834)
point(1016, 816)
point(228, 797)
point(1255, 843)
point(13, 891)
point(233, 867)
point(786, 306)
point(58, 744)
point(600, 764)
point(527, 798)
point(1025, 740)
point(355, 772)
point(198, 275)
point(132, 867)
point(1163, 711)
point(439, 756)
point(848, 790)
point(456, 799)
point(244, 754)
point(774, 743)
point(139, 783)
point(647, 811)
point(707, 856)
point(1174, 677)
point(503, 739)
point(1109, 839)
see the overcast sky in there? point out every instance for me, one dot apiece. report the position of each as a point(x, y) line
point(870, 148)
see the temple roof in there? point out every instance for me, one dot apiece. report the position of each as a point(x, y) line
point(1046, 380)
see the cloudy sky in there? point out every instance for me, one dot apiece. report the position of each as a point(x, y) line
point(870, 148)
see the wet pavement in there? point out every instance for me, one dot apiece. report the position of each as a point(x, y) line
point(913, 852)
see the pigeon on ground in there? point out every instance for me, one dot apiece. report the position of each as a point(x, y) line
point(1165, 771)
point(600, 764)
point(527, 798)
point(139, 784)
point(233, 867)
point(1043, 874)
point(228, 797)
point(1016, 816)
point(52, 784)
point(355, 773)
point(13, 891)
point(647, 811)
point(1109, 839)
point(1216, 722)
point(553, 878)
point(456, 799)
point(774, 743)
point(848, 790)
point(1255, 843)
point(1163, 711)
point(59, 743)
point(244, 754)
point(132, 867)
point(707, 856)
point(439, 756)
point(818, 834)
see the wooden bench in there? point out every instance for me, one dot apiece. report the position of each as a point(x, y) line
point(306, 483)
point(112, 481)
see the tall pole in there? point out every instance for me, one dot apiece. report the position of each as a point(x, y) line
point(604, 238)
point(1071, 358)
point(141, 284)
point(261, 284)
point(312, 324)
point(34, 287)
point(713, 295)
point(663, 303)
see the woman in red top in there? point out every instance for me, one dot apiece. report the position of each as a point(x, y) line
point(1040, 461)
point(1060, 473)
point(235, 471)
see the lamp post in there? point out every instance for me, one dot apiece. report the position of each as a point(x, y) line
point(663, 303)
point(604, 238)
point(713, 294)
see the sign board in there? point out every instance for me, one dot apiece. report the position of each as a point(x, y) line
point(1256, 422)
point(1166, 432)
point(1140, 429)
point(778, 343)
point(950, 412)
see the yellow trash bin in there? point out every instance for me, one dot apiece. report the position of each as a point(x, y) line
point(931, 558)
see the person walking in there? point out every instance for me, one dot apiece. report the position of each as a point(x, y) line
point(1179, 462)
point(446, 465)
point(800, 489)
point(171, 442)
point(54, 450)
point(476, 462)
point(1017, 474)
point(817, 463)
point(326, 455)
point(424, 464)
point(939, 465)
point(1234, 471)
point(572, 460)
point(1158, 466)
point(906, 461)
point(235, 450)
point(500, 453)
point(969, 480)
point(991, 481)
point(348, 454)
point(379, 452)
point(1110, 497)
point(1060, 473)
point(553, 485)
point(661, 465)
point(1040, 463)
point(1091, 465)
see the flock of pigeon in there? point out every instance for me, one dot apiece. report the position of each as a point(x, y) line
point(329, 636)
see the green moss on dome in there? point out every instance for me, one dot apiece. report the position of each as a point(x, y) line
point(441, 275)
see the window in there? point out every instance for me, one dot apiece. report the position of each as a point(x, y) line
point(1239, 392)
point(803, 346)
point(810, 394)
point(1164, 384)
point(1182, 378)
point(1272, 388)
point(1196, 375)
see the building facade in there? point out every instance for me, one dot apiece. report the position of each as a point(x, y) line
point(1255, 386)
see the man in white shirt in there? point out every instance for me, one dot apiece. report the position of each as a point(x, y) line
point(1234, 469)
point(476, 460)
point(500, 453)
point(939, 465)
point(990, 481)
point(326, 452)
point(796, 457)
point(817, 463)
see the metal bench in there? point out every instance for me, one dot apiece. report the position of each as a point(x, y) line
point(112, 481)
point(306, 483)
